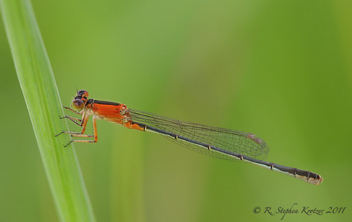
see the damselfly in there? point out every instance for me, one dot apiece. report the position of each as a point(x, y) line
point(212, 141)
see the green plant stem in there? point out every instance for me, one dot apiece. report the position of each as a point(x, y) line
point(42, 99)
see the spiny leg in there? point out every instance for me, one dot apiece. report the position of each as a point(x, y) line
point(81, 134)
point(86, 136)
point(83, 124)
point(73, 119)
point(74, 111)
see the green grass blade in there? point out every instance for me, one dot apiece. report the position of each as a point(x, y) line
point(42, 99)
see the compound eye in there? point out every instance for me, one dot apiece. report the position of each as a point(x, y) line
point(78, 104)
point(82, 93)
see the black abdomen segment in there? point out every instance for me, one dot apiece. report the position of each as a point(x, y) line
point(307, 176)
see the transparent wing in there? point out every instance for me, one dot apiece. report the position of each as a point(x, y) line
point(232, 140)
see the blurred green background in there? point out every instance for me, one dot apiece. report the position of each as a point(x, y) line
point(278, 69)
